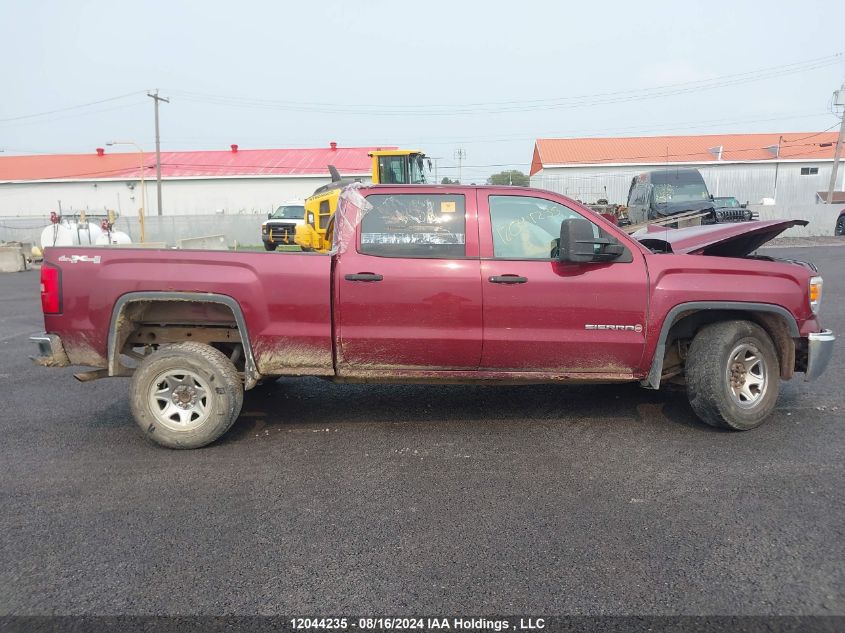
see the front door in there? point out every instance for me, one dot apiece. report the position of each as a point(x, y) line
point(408, 294)
point(543, 315)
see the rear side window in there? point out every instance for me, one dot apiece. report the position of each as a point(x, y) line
point(415, 225)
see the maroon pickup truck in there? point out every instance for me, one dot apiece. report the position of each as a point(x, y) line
point(441, 283)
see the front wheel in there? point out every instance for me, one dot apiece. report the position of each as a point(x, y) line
point(733, 375)
point(185, 395)
point(269, 247)
point(840, 226)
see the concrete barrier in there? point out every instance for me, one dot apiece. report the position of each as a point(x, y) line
point(12, 259)
point(206, 243)
point(821, 217)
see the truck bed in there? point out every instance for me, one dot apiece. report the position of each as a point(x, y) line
point(285, 300)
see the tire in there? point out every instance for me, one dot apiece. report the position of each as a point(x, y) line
point(733, 375)
point(185, 395)
point(840, 226)
point(269, 247)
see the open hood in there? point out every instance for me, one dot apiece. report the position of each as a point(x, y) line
point(726, 240)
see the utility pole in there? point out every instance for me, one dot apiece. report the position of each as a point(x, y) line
point(460, 155)
point(154, 96)
point(838, 100)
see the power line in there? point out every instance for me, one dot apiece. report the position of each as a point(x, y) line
point(75, 107)
point(69, 116)
point(789, 68)
point(517, 106)
point(835, 125)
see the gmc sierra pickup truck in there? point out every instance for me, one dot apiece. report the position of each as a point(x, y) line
point(441, 283)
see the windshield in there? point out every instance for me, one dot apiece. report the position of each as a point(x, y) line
point(680, 192)
point(727, 202)
point(289, 212)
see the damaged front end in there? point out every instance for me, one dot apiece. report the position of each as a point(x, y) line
point(723, 240)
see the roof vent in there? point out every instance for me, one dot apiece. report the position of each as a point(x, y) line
point(101, 151)
point(234, 147)
point(333, 145)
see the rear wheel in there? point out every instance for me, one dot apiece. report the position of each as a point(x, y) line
point(185, 395)
point(733, 375)
point(840, 226)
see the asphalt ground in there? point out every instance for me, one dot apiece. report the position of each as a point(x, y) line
point(327, 499)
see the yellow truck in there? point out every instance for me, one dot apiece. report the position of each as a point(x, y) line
point(389, 167)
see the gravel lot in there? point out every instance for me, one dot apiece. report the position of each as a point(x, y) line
point(327, 499)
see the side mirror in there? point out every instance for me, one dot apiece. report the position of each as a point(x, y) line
point(578, 243)
point(270, 215)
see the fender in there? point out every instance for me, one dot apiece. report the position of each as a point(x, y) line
point(652, 380)
point(251, 375)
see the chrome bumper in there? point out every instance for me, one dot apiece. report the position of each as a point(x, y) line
point(819, 350)
point(51, 352)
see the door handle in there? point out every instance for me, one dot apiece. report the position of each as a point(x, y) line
point(364, 277)
point(507, 279)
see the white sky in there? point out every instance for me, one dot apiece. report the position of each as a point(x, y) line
point(408, 73)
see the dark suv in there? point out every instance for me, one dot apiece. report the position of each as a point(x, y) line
point(662, 193)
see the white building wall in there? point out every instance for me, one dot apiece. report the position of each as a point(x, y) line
point(179, 197)
point(748, 182)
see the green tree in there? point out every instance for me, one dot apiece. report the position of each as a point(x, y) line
point(448, 181)
point(509, 177)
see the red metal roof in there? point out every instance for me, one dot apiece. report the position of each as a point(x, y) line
point(680, 149)
point(198, 164)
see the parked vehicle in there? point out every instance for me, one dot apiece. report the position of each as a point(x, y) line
point(662, 193)
point(839, 229)
point(441, 283)
point(280, 226)
point(727, 202)
point(729, 209)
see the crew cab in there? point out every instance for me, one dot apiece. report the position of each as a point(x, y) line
point(441, 283)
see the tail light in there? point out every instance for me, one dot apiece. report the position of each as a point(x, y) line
point(51, 289)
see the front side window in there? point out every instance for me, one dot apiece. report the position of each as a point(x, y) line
point(420, 169)
point(414, 225)
point(525, 227)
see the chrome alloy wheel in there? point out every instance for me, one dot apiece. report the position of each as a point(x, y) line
point(180, 400)
point(747, 375)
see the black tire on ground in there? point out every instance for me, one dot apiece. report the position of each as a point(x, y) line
point(840, 226)
point(185, 395)
point(716, 380)
point(269, 247)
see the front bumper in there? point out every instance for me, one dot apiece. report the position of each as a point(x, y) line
point(279, 234)
point(51, 352)
point(819, 350)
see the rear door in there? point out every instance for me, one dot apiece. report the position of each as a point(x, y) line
point(408, 295)
point(543, 315)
